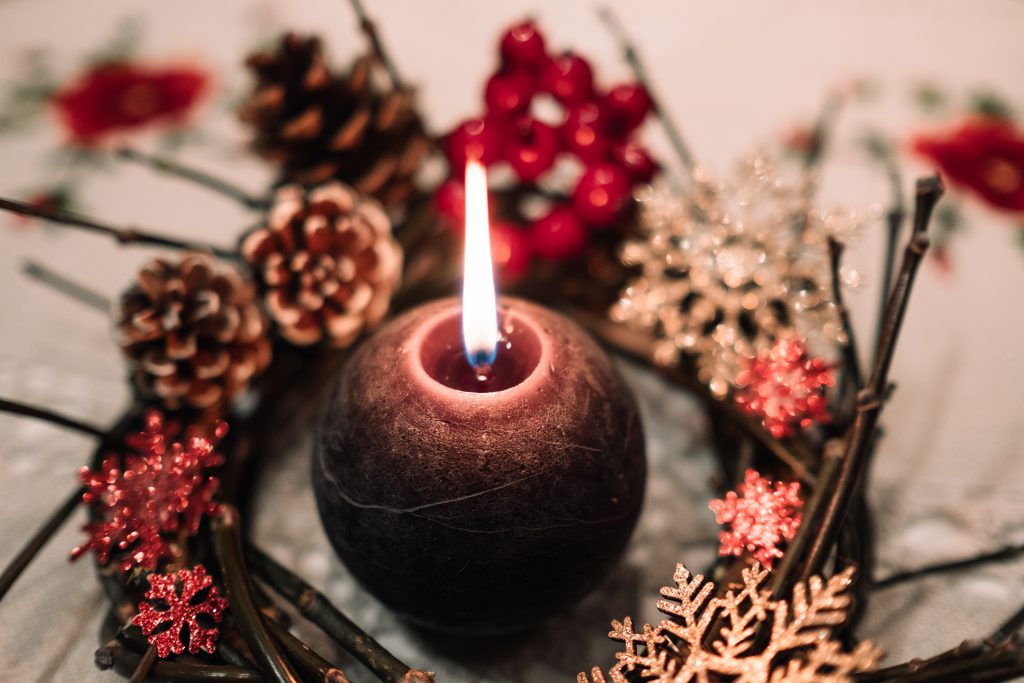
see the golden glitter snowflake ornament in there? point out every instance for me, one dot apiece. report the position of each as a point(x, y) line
point(726, 269)
point(798, 645)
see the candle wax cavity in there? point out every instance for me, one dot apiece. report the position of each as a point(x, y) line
point(444, 358)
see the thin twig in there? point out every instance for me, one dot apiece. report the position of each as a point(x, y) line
point(851, 359)
point(116, 656)
point(640, 72)
point(782, 576)
point(199, 177)
point(79, 293)
point(894, 222)
point(369, 29)
point(822, 131)
point(315, 606)
point(122, 235)
point(1001, 555)
point(1008, 628)
point(266, 651)
point(820, 136)
point(870, 400)
point(25, 556)
point(144, 666)
point(968, 659)
point(46, 415)
point(311, 664)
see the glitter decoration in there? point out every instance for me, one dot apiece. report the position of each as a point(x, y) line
point(160, 488)
point(799, 647)
point(785, 387)
point(761, 516)
point(198, 597)
point(726, 269)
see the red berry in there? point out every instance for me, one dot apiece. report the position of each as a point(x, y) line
point(558, 235)
point(533, 150)
point(583, 133)
point(636, 161)
point(522, 46)
point(450, 201)
point(510, 250)
point(508, 93)
point(473, 139)
point(568, 78)
point(601, 194)
point(628, 105)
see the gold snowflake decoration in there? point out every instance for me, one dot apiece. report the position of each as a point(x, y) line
point(727, 268)
point(756, 639)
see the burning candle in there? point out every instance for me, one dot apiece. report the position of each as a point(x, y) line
point(479, 466)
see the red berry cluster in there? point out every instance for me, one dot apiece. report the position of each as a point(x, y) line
point(597, 128)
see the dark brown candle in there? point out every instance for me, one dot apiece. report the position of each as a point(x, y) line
point(479, 505)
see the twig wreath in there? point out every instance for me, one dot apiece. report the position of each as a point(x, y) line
point(730, 289)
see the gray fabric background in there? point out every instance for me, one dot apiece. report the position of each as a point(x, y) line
point(950, 472)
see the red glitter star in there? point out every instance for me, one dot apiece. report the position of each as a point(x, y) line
point(785, 387)
point(182, 612)
point(761, 517)
point(159, 487)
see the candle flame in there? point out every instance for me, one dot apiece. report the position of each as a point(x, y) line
point(479, 301)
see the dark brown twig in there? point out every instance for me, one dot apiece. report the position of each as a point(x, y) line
point(369, 30)
point(631, 56)
point(820, 136)
point(265, 650)
point(116, 656)
point(199, 177)
point(851, 359)
point(870, 400)
point(144, 666)
point(312, 665)
point(25, 410)
point(1001, 555)
point(964, 662)
point(1008, 628)
point(822, 130)
point(122, 235)
point(894, 222)
point(25, 556)
point(312, 604)
point(78, 292)
point(782, 575)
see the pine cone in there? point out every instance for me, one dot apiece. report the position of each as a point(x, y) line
point(193, 331)
point(327, 263)
point(319, 125)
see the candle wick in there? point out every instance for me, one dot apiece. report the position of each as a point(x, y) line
point(483, 371)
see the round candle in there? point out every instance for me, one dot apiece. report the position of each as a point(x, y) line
point(479, 502)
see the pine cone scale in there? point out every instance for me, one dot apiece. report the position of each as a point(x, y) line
point(322, 264)
point(180, 327)
point(320, 125)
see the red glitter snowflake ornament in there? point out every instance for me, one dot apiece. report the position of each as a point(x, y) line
point(160, 487)
point(785, 387)
point(761, 517)
point(164, 628)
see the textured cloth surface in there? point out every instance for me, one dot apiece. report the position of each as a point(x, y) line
point(949, 480)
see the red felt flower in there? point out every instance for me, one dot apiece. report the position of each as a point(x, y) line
point(198, 597)
point(984, 156)
point(761, 516)
point(119, 97)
